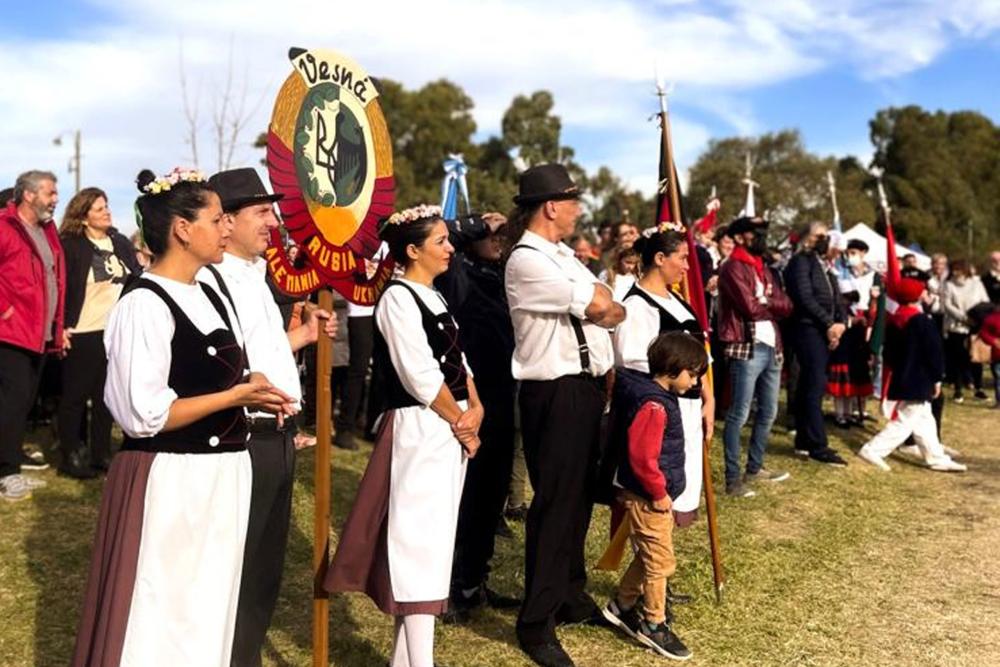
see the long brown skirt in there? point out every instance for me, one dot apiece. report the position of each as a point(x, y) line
point(101, 636)
point(361, 562)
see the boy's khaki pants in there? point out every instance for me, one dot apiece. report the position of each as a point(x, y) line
point(654, 562)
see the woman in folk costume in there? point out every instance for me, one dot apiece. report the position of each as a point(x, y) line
point(166, 566)
point(398, 540)
point(653, 308)
point(849, 376)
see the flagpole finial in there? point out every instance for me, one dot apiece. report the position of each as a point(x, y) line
point(663, 89)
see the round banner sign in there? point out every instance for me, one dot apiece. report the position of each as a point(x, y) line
point(329, 154)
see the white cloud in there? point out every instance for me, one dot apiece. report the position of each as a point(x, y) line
point(119, 83)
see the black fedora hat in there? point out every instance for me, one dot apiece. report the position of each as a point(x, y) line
point(240, 187)
point(546, 182)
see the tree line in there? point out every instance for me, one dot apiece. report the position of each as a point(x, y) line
point(941, 170)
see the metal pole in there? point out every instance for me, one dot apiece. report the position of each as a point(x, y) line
point(76, 158)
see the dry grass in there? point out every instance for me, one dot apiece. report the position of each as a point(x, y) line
point(833, 567)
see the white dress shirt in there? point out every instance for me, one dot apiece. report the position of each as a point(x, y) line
point(544, 287)
point(268, 349)
point(138, 343)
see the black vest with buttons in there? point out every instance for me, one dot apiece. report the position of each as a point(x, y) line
point(442, 335)
point(669, 323)
point(200, 364)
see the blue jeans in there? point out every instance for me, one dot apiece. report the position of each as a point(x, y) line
point(758, 377)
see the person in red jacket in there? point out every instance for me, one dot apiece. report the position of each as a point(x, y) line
point(750, 305)
point(990, 333)
point(32, 284)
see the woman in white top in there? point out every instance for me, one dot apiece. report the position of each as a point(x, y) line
point(168, 553)
point(397, 543)
point(654, 308)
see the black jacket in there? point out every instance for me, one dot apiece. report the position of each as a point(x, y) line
point(79, 252)
point(814, 292)
point(476, 298)
point(914, 356)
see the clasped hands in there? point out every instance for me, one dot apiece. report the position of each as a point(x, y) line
point(466, 429)
point(258, 394)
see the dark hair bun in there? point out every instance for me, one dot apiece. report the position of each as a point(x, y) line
point(144, 178)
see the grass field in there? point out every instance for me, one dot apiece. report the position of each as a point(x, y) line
point(832, 567)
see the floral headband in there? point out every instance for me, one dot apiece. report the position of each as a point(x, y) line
point(413, 214)
point(178, 175)
point(663, 227)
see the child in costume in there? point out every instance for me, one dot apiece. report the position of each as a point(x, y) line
point(914, 359)
point(651, 475)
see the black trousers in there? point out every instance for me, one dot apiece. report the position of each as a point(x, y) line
point(20, 371)
point(84, 371)
point(487, 480)
point(813, 354)
point(361, 340)
point(273, 459)
point(962, 371)
point(560, 425)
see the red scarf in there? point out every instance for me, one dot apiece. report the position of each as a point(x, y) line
point(740, 254)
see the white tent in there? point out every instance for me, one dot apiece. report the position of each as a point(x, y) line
point(878, 246)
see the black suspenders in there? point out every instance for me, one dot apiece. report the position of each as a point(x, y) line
point(581, 339)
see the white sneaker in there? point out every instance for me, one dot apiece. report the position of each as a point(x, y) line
point(910, 450)
point(873, 459)
point(14, 488)
point(34, 482)
point(949, 466)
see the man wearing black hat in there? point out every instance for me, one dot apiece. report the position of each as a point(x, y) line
point(249, 208)
point(750, 305)
point(561, 315)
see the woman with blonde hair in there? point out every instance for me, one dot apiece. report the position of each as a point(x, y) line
point(99, 260)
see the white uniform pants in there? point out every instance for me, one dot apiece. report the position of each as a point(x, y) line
point(915, 419)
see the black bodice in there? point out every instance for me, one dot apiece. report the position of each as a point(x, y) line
point(442, 335)
point(670, 323)
point(200, 364)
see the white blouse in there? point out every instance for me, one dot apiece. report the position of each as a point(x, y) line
point(137, 341)
point(632, 337)
point(399, 320)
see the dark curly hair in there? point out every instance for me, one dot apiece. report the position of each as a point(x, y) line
point(400, 237)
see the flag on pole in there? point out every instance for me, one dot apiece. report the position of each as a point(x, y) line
point(454, 187)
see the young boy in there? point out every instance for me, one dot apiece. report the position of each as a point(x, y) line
point(915, 362)
point(650, 474)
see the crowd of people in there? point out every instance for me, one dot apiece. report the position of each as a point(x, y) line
point(492, 325)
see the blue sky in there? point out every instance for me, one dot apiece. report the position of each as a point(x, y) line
point(739, 67)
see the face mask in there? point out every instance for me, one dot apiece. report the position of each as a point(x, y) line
point(759, 244)
point(822, 245)
point(855, 260)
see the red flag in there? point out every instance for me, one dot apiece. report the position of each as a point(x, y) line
point(893, 271)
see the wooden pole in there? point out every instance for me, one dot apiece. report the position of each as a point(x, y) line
point(321, 535)
point(673, 191)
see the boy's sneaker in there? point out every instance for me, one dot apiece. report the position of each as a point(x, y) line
point(874, 460)
point(736, 489)
point(980, 395)
point(829, 457)
point(13, 488)
point(765, 475)
point(949, 466)
point(908, 450)
point(33, 461)
point(34, 482)
point(661, 639)
point(627, 620)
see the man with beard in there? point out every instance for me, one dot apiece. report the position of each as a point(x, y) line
point(32, 285)
point(750, 305)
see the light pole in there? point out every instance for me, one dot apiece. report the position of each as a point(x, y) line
point(74, 162)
